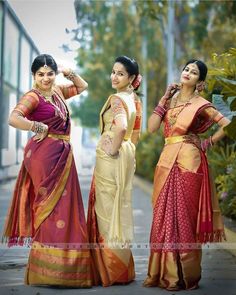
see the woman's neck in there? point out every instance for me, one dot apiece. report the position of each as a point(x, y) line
point(185, 93)
point(124, 90)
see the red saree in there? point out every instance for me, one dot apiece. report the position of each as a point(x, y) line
point(47, 205)
point(185, 211)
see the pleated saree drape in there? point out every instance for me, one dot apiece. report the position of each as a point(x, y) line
point(185, 210)
point(47, 205)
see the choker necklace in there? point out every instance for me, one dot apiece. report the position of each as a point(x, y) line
point(46, 94)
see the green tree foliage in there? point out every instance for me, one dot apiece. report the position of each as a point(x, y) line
point(223, 166)
point(222, 80)
point(149, 148)
point(107, 29)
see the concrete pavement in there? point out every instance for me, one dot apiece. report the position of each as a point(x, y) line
point(219, 266)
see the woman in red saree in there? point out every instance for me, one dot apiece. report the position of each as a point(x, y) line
point(110, 221)
point(185, 209)
point(47, 206)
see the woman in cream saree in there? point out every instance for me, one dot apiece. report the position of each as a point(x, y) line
point(185, 209)
point(110, 223)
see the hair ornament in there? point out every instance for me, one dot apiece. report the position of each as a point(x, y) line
point(45, 62)
point(137, 81)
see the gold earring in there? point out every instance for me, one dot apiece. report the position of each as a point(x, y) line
point(131, 87)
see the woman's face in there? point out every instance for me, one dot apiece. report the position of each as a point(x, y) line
point(120, 78)
point(190, 75)
point(45, 78)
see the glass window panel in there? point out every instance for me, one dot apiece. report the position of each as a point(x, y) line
point(1, 14)
point(11, 51)
point(4, 116)
point(25, 66)
point(9, 133)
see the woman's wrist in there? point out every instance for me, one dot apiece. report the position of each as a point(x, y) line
point(70, 75)
point(160, 111)
point(207, 143)
point(39, 127)
point(31, 125)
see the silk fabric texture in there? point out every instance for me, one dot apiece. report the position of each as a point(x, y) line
point(47, 205)
point(110, 220)
point(185, 208)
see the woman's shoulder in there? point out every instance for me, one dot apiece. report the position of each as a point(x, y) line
point(202, 101)
point(31, 95)
point(58, 89)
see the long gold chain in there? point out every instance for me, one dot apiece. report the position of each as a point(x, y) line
point(173, 114)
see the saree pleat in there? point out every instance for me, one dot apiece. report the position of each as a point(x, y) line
point(110, 264)
point(172, 233)
point(47, 208)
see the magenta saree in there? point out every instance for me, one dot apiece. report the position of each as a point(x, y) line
point(47, 205)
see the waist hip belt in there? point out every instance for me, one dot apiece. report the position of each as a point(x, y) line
point(175, 139)
point(59, 136)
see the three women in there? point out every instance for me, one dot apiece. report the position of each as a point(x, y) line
point(47, 203)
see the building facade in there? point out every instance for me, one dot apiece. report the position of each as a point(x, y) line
point(17, 51)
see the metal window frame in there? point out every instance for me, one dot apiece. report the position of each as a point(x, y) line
point(7, 10)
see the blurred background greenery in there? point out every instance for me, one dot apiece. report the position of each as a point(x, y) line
point(204, 30)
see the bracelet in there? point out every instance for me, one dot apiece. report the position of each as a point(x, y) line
point(206, 143)
point(160, 111)
point(38, 127)
point(71, 75)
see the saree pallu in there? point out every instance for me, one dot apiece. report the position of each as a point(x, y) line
point(108, 213)
point(185, 212)
point(47, 209)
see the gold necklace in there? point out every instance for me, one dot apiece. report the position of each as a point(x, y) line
point(46, 94)
point(174, 114)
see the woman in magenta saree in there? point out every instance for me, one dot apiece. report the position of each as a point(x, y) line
point(47, 205)
point(185, 208)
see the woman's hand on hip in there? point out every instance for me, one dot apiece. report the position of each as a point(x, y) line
point(41, 135)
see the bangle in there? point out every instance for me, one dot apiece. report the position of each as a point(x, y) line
point(39, 127)
point(160, 111)
point(31, 126)
point(71, 75)
point(206, 143)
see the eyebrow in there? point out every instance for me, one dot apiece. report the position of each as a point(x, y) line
point(39, 72)
point(193, 69)
point(120, 72)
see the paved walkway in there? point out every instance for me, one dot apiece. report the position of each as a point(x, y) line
point(218, 265)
